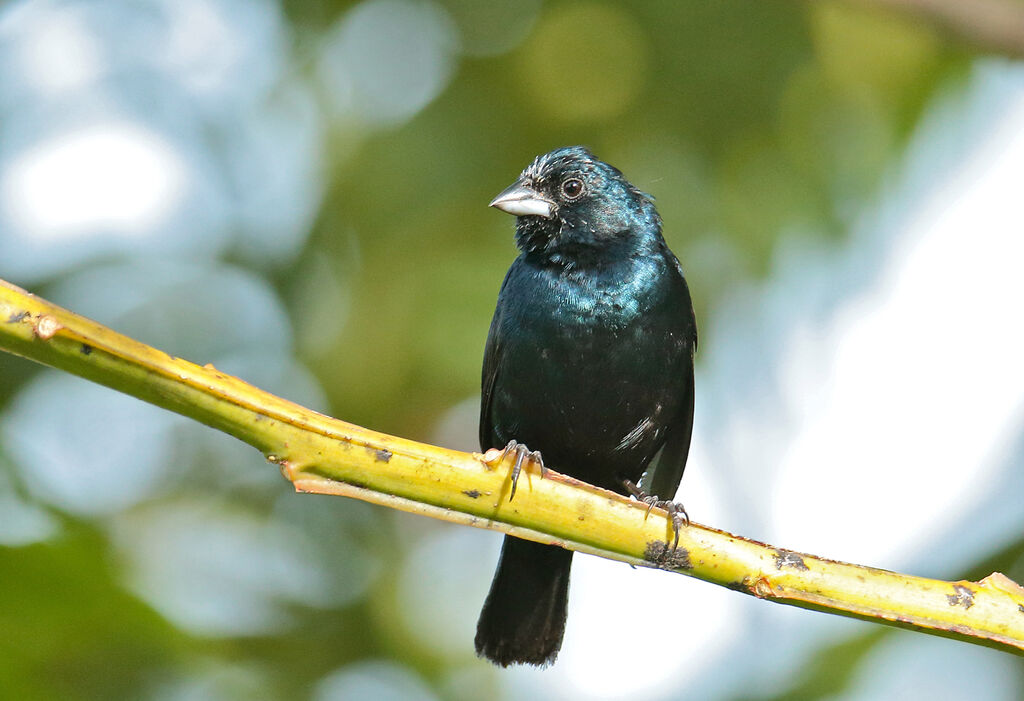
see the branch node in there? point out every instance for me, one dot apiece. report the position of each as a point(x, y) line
point(47, 327)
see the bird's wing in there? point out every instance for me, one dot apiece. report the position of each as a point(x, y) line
point(492, 357)
point(663, 478)
point(688, 306)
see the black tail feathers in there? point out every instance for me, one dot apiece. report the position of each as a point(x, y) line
point(523, 618)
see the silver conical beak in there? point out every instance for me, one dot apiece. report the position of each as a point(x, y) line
point(523, 201)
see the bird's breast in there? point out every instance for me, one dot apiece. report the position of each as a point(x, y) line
point(586, 360)
point(600, 302)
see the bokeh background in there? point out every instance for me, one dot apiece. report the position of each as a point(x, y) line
point(296, 192)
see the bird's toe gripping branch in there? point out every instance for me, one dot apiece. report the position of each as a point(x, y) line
point(494, 458)
point(676, 511)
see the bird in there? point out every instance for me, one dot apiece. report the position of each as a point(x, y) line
point(588, 367)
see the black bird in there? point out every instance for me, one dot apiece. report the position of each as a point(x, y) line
point(589, 361)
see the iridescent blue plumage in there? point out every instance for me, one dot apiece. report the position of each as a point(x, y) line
point(589, 360)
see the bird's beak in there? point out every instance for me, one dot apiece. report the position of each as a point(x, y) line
point(523, 201)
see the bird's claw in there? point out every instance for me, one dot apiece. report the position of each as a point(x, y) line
point(522, 455)
point(675, 510)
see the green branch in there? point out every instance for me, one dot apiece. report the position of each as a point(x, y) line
point(323, 455)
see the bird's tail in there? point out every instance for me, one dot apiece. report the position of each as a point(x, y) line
point(523, 618)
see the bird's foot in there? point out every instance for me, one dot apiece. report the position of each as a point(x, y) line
point(523, 454)
point(675, 510)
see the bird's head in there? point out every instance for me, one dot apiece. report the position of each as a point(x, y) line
point(570, 205)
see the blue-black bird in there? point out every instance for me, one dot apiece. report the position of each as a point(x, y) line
point(589, 361)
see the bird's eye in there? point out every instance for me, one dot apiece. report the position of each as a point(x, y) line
point(572, 188)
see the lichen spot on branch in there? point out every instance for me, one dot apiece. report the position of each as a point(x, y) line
point(788, 558)
point(961, 596)
point(666, 557)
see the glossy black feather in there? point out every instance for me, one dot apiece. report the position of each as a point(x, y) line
point(589, 360)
